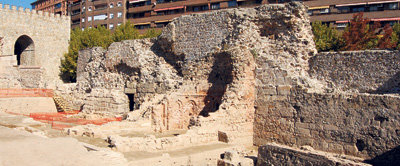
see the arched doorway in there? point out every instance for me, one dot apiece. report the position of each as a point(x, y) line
point(24, 48)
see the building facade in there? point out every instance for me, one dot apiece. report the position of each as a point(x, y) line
point(51, 6)
point(94, 13)
point(338, 12)
point(158, 13)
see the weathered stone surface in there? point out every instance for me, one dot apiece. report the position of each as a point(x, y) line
point(280, 155)
point(207, 76)
point(356, 124)
point(374, 71)
point(49, 36)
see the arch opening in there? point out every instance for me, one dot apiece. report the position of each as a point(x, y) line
point(24, 48)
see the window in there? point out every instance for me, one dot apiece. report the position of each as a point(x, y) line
point(393, 6)
point(100, 17)
point(324, 11)
point(310, 12)
point(357, 9)
point(83, 19)
point(373, 8)
point(214, 6)
point(232, 3)
point(89, 8)
point(58, 5)
point(119, 15)
point(111, 16)
point(142, 26)
point(341, 25)
point(89, 19)
point(83, 9)
point(344, 9)
point(162, 24)
point(119, 24)
point(148, 2)
point(119, 4)
point(111, 26)
point(111, 5)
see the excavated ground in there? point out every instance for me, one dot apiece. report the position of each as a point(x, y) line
point(44, 145)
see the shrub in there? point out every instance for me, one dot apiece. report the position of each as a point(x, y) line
point(326, 38)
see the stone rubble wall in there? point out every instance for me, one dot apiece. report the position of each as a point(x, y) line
point(375, 71)
point(199, 73)
point(272, 154)
point(50, 34)
point(248, 76)
point(355, 124)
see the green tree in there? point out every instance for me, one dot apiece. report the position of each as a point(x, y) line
point(91, 37)
point(125, 31)
point(326, 38)
point(396, 35)
point(360, 35)
point(152, 33)
point(97, 37)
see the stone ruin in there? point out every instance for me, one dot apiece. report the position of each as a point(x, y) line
point(241, 76)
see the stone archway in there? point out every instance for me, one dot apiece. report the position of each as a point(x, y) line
point(24, 48)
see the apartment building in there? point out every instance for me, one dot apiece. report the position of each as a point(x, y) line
point(338, 12)
point(94, 13)
point(158, 13)
point(51, 6)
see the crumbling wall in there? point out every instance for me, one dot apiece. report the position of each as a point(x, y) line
point(200, 73)
point(337, 118)
point(375, 71)
point(356, 124)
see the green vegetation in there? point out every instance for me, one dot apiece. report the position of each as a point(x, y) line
point(326, 38)
point(358, 35)
point(97, 37)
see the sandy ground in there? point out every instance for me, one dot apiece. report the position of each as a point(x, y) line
point(25, 142)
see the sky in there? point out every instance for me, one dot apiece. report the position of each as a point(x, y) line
point(23, 3)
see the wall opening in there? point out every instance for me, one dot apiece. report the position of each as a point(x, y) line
point(24, 48)
point(131, 102)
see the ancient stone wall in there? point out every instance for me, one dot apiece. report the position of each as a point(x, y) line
point(336, 119)
point(359, 71)
point(357, 124)
point(39, 38)
point(258, 75)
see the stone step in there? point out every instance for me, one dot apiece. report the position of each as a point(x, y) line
point(61, 104)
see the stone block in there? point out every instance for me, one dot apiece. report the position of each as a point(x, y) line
point(283, 89)
point(223, 137)
point(129, 91)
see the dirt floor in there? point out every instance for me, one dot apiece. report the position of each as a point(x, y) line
point(26, 142)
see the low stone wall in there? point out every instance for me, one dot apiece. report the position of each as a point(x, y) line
point(281, 155)
point(375, 71)
point(356, 124)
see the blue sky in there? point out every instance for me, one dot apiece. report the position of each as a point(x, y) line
point(23, 3)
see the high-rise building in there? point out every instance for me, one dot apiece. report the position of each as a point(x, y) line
point(158, 13)
point(51, 6)
point(338, 12)
point(94, 13)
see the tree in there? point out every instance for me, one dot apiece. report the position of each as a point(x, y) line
point(126, 31)
point(386, 41)
point(92, 37)
point(326, 38)
point(396, 35)
point(96, 37)
point(360, 35)
point(152, 33)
